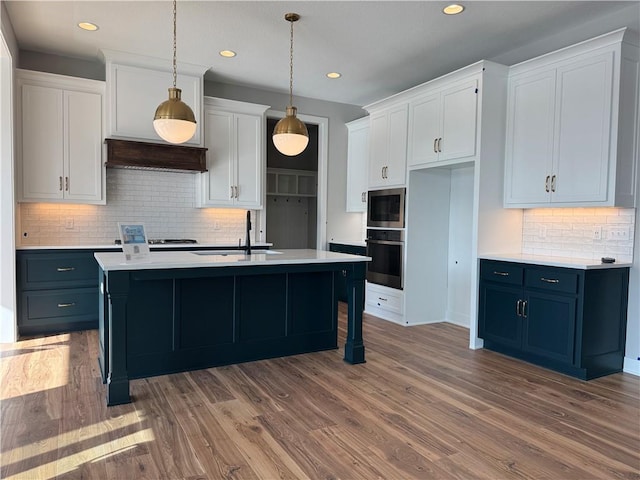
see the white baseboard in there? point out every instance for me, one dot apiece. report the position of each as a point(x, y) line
point(456, 318)
point(632, 366)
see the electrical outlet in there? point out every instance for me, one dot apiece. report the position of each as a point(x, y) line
point(618, 233)
point(216, 225)
point(596, 233)
point(68, 223)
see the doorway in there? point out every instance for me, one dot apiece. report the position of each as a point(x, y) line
point(292, 197)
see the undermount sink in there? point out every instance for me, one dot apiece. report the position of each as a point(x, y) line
point(237, 253)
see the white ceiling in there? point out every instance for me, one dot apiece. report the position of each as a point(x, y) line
point(380, 47)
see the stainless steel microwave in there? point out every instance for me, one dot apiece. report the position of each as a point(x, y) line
point(385, 208)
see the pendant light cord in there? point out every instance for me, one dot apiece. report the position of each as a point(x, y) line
point(291, 67)
point(174, 44)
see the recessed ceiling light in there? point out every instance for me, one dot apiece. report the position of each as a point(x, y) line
point(90, 27)
point(334, 75)
point(227, 53)
point(452, 9)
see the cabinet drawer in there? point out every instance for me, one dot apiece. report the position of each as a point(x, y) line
point(501, 272)
point(73, 303)
point(384, 300)
point(556, 280)
point(57, 270)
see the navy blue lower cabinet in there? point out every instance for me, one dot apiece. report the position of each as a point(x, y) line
point(155, 322)
point(341, 282)
point(569, 320)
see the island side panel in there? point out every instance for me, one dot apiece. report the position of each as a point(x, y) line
point(117, 296)
point(354, 346)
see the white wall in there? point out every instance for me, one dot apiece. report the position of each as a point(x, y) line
point(8, 53)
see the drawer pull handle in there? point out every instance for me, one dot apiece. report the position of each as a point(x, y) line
point(382, 299)
point(550, 280)
point(502, 274)
point(65, 269)
point(65, 305)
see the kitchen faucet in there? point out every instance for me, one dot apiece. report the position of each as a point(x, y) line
point(247, 245)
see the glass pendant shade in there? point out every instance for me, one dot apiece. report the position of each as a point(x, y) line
point(290, 134)
point(174, 121)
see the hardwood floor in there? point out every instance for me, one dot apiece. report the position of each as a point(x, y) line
point(423, 406)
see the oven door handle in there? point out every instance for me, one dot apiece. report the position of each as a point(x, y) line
point(384, 242)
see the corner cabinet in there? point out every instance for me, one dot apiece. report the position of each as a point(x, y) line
point(357, 165)
point(388, 146)
point(442, 124)
point(59, 146)
point(569, 320)
point(571, 123)
point(234, 135)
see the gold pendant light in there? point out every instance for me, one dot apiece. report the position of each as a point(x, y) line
point(174, 121)
point(290, 135)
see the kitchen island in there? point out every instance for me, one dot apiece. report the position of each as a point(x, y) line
point(179, 311)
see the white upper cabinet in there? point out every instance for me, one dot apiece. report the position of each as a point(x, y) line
point(234, 135)
point(357, 165)
point(388, 146)
point(442, 124)
point(571, 124)
point(60, 139)
point(136, 85)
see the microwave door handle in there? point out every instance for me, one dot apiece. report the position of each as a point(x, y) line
point(384, 242)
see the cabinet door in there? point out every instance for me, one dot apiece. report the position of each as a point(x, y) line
point(357, 164)
point(379, 148)
point(459, 107)
point(135, 93)
point(529, 146)
point(42, 143)
point(83, 159)
point(396, 172)
point(425, 130)
point(220, 175)
point(498, 317)
point(249, 171)
point(549, 329)
point(583, 112)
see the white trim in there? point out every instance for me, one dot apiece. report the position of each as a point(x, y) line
point(632, 366)
point(8, 325)
point(323, 164)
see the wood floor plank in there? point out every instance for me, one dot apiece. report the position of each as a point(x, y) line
point(423, 406)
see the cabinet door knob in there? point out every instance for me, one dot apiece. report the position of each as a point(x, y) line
point(553, 183)
point(546, 184)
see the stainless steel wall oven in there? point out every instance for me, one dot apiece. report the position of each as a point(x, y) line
point(386, 248)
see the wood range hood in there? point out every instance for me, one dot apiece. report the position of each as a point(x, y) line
point(155, 156)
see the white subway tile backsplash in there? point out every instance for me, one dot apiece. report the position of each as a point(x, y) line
point(569, 232)
point(164, 201)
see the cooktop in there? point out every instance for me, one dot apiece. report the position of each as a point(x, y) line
point(165, 241)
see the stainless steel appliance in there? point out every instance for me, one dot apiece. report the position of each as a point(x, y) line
point(385, 208)
point(166, 241)
point(386, 248)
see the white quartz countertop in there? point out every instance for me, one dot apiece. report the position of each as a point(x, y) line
point(354, 243)
point(567, 262)
point(157, 246)
point(111, 261)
